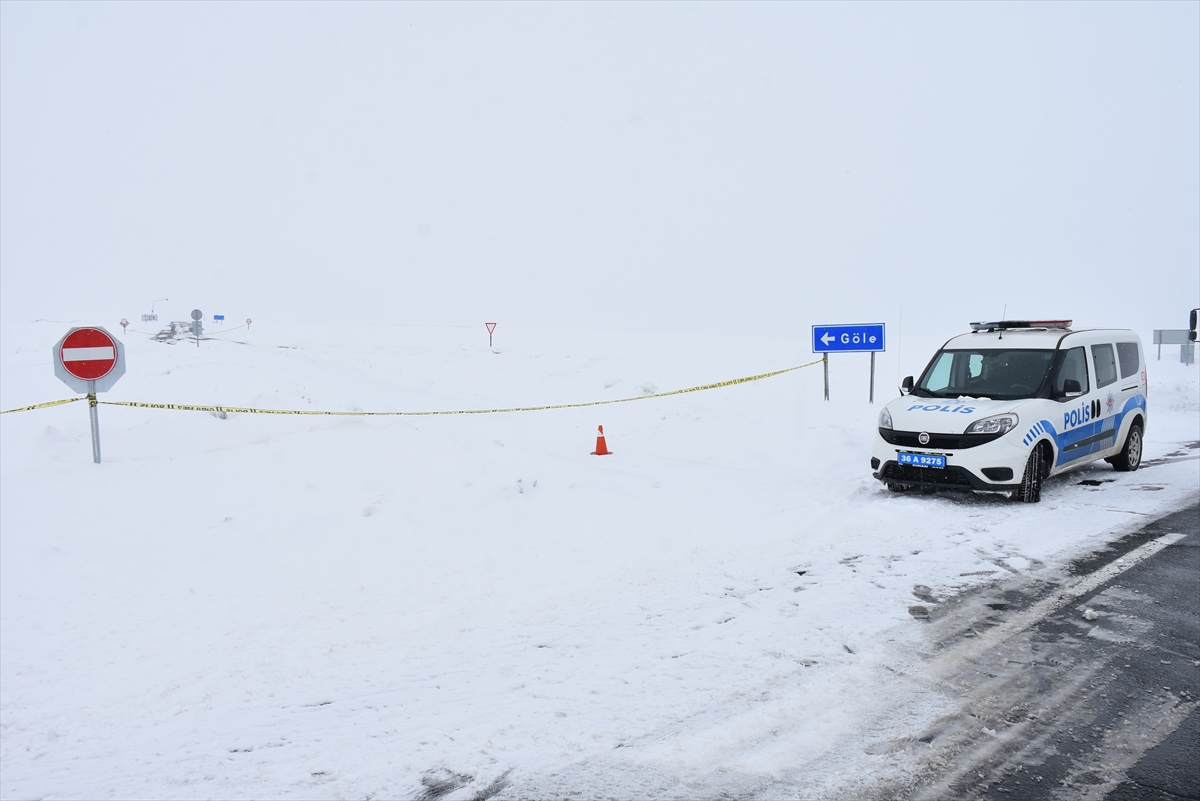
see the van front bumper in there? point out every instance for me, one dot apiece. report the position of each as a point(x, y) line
point(949, 477)
point(995, 465)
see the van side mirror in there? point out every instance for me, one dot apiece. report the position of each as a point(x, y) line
point(1071, 388)
point(906, 385)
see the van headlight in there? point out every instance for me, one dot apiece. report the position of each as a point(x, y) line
point(885, 418)
point(1000, 424)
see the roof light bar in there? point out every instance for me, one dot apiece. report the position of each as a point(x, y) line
point(1005, 325)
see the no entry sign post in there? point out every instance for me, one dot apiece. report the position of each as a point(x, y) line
point(855, 338)
point(90, 360)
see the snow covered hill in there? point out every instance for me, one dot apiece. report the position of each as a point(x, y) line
point(468, 606)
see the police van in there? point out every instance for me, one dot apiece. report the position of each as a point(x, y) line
point(1009, 404)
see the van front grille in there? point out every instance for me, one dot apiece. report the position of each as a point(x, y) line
point(940, 442)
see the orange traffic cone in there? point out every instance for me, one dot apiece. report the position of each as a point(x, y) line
point(601, 447)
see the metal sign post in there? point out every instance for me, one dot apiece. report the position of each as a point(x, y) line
point(90, 360)
point(872, 398)
point(857, 338)
point(124, 326)
point(1173, 336)
point(152, 317)
point(491, 327)
point(248, 321)
point(197, 326)
point(94, 416)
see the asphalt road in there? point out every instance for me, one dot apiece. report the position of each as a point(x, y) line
point(1090, 690)
point(1170, 769)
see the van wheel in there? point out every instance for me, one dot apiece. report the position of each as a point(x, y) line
point(1130, 457)
point(1030, 490)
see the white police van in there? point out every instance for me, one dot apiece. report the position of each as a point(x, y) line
point(1011, 403)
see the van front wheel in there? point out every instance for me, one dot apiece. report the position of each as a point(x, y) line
point(1030, 490)
point(1130, 457)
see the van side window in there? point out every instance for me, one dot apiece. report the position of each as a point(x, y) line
point(1106, 365)
point(1072, 366)
point(1127, 354)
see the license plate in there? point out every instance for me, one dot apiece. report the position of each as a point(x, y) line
point(922, 460)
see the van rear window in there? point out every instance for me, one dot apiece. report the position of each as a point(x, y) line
point(1127, 354)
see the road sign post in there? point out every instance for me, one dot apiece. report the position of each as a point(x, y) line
point(872, 398)
point(248, 321)
point(124, 326)
point(856, 338)
point(197, 326)
point(94, 418)
point(1174, 336)
point(491, 327)
point(152, 317)
point(90, 360)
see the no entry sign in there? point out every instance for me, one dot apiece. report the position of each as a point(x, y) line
point(88, 353)
point(89, 359)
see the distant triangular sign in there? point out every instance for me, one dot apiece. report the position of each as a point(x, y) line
point(491, 327)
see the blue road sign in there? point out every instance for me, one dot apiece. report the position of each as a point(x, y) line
point(848, 338)
point(219, 318)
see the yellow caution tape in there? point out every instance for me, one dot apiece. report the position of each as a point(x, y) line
point(42, 405)
point(237, 410)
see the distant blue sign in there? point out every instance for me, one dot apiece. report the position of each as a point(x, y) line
point(218, 318)
point(848, 338)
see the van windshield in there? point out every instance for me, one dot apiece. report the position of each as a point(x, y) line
point(999, 374)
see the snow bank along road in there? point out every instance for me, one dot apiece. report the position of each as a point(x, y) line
point(460, 607)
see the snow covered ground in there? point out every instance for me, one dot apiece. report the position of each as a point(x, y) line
point(472, 605)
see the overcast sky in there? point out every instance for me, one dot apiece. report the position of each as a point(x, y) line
point(743, 167)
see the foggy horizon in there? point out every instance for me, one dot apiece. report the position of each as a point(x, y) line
point(749, 168)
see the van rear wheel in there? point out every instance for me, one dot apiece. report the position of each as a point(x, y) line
point(1130, 457)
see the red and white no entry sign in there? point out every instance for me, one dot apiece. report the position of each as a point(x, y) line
point(88, 353)
point(90, 360)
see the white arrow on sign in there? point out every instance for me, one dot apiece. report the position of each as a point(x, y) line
point(826, 339)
